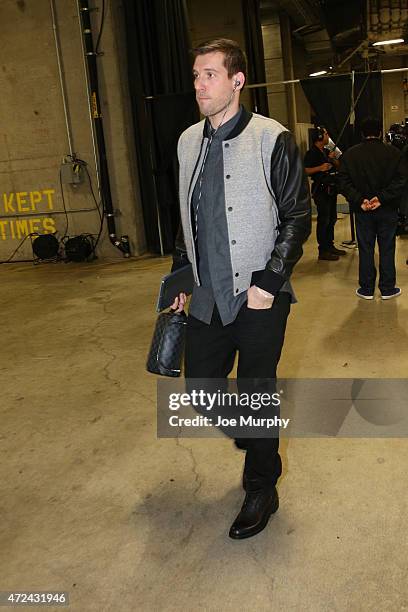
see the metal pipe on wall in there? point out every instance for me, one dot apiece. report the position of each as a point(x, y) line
point(85, 66)
point(61, 76)
point(394, 70)
point(91, 75)
point(287, 56)
point(332, 76)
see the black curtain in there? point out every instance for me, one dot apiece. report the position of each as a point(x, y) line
point(368, 90)
point(330, 99)
point(255, 54)
point(170, 115)
point(163, 105)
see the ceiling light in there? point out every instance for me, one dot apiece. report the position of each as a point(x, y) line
point(394, 41)
point(318, 73)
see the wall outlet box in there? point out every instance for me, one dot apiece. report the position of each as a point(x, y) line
point(71, 173)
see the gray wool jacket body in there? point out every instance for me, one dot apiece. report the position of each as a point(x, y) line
point(267, 201)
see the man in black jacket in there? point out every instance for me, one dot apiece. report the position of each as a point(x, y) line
point(371, 177)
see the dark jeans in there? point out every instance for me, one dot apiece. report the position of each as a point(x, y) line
point(258, 337)
point(326, 219)
point(380, 225)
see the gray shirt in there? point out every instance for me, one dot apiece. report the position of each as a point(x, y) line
point(215, 269)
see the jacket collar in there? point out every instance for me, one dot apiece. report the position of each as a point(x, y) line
point(240, 126)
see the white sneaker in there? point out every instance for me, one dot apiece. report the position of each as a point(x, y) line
point(391, 294)
point(363, 293)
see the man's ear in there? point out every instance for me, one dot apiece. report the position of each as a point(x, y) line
point(238, 78)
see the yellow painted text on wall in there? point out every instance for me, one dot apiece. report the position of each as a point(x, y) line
point(20, 202)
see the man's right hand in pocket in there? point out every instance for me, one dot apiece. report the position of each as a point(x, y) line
point(179, 302)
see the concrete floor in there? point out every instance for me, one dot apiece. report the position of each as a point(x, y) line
point(92, 503)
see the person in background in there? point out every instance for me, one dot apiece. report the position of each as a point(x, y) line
point(321, 165)
point(372, 177)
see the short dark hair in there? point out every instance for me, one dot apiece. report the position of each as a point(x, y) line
point(371, 127)
point(234, 57)
point(317, 133)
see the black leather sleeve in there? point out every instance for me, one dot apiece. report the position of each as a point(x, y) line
point(180, 258)
point(292, 194)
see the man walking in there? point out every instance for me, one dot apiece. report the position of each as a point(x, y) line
point(371, 177)
point(321, 164)
point(245, 213)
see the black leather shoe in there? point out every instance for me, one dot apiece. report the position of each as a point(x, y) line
point(255, 512)
point(328, 256)
point(339, 252)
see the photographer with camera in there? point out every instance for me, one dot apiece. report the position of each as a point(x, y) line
point(321, 165)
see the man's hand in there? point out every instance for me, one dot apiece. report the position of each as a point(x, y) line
point(334, 160)
point(325, 167)
point(374, 203)
point(370, 204)
point(258, 299)
point(179, 302)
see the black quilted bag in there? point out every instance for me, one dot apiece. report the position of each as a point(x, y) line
point(166, 350)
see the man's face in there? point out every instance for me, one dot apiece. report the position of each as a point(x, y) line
point(212, 85)
point(325, 137)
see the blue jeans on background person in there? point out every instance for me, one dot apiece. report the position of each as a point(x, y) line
point(378, 225)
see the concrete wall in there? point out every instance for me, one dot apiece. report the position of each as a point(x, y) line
point(393, 98)
point(215, 19)
point(33, 136)
point(394, 94)
point(274, 68)
point(284, 60)
point(303, 110)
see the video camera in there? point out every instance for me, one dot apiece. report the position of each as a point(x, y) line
point(397, 135)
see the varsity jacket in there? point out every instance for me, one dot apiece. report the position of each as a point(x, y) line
point(267, 201)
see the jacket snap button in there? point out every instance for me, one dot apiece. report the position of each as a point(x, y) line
point(228, 176)
point(236, 273)
point(226, 145)
point(233, 242)
point(236, 290)
point(229, 207)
